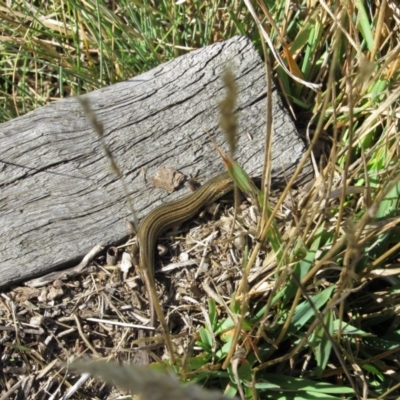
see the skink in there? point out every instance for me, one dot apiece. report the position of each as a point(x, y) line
point(168, 215)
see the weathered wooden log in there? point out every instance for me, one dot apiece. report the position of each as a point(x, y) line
point(58, 196)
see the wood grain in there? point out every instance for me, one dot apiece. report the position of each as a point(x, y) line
point(70, 201)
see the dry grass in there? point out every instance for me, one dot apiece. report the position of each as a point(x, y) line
point(98, 314)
